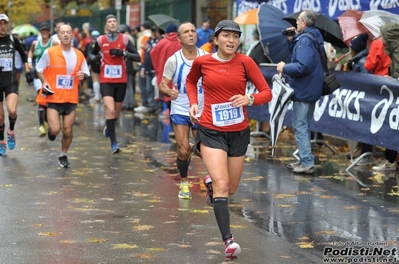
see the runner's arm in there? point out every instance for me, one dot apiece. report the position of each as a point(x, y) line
point(131, 52)
point(30, 54)
point(21, 50)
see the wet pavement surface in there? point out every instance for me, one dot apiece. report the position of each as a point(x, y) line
point(123, 208)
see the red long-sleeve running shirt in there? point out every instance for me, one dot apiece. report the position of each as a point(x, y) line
point(220, 81)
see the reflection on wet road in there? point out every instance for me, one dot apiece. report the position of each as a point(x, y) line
point(313, 211)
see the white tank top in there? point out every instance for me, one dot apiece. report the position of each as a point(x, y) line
point(181, 104)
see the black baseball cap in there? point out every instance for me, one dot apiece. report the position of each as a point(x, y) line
point(44, 26)
point(227, 25)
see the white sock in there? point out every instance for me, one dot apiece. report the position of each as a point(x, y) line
point(96, 90)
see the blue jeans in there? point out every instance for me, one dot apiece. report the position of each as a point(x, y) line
point(301, 115)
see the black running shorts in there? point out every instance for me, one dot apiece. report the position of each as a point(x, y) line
point(8, 89)
point(63, 109)
point(115, 90)
point(234, 143)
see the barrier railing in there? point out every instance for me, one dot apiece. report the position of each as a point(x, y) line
point(364, 109)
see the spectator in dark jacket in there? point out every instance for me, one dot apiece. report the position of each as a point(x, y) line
point(306, 78)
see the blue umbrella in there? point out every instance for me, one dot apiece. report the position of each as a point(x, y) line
point(270, 25)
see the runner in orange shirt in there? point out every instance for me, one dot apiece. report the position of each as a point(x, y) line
point(60, 69)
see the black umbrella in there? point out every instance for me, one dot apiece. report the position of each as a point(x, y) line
point(162, 20)
point(278, 106)
point(329, 28)
point(270, 25)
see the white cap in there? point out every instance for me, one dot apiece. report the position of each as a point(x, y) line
point(4, 17)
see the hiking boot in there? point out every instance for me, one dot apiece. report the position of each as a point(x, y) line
point(3, 147)
point(63, 161)
point(303, 169)
point(115, 148)
point(11, 139)
point(105, 132)
point(293, 164)
point(184, 192)
point(42, 131)
point(231, 249)
point(368, 160)
point(46, 90)
point(209, 190)
point(385, 166)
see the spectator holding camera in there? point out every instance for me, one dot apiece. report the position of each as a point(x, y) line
point(306, 78)
point(116, 50)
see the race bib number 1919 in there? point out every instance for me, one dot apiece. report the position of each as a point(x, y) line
point(226, 115)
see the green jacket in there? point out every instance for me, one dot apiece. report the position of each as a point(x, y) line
point(390, 33)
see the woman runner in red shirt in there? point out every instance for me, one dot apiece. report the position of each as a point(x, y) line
point(223, 132)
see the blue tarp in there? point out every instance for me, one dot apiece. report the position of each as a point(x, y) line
point(365, 109)
point(330, 8)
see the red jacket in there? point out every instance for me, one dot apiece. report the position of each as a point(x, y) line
point(377, 61)
point(165, 48)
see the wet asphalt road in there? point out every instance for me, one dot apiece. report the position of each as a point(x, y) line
point(124, 208)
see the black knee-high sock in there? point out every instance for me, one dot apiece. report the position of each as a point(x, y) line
point(2, 132)
point(12, 122)
point(111, 129)
point(182, 166)
point(222, 214)
point(41, 113)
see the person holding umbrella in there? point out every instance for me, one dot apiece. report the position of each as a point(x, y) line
point(306, 78)
point(223, 133)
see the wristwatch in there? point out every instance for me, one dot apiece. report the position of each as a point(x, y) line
point(251, 99)
point(124, 54)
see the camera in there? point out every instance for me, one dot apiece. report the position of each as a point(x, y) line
point(288, 32)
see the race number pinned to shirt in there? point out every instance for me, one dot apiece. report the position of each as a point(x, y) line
point(226, 115)
point(6, 63)
point(64, 82)
point(113, 71)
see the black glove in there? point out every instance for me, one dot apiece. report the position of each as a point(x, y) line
point(116, 52)
point(29, 77)
point(95, 64)
point(349, 65)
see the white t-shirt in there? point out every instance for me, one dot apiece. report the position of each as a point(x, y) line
point(70, 58)
point(176, 69)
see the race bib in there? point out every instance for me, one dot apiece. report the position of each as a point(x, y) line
point(226, 115)
point(113, 71)
point(6, 63)
point(64, 82)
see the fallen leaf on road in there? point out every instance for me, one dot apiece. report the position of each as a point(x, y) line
point(143, 256)
point(353, 207)
point(326, 232)
point(283, 195)
point(237, 226)
point(143, 227)
point(305, 244)
point(122, 246)
point(68, 241)
point(48, 234)
point(96, 240)
point(200, 211)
